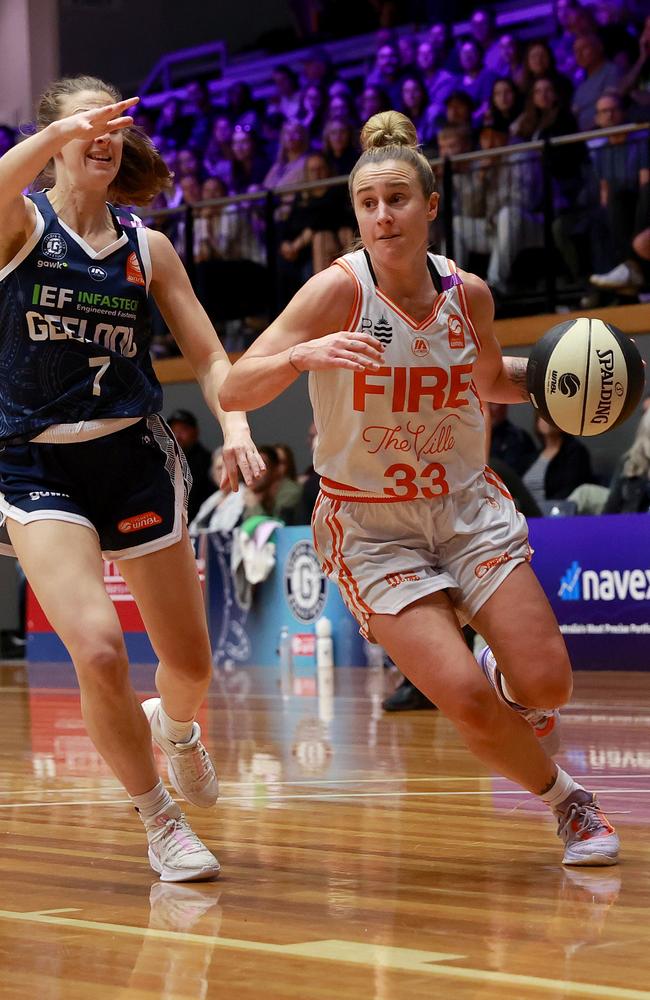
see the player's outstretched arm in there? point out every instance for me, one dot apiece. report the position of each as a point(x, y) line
point(302, 339)
point(193, 332)
point(497, 379)
point(22, 164)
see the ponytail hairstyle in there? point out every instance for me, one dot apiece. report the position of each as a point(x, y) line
point(143, 173)
point(390, 135)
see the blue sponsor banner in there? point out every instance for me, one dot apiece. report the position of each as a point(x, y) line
point(596, 573)
point(295, 594)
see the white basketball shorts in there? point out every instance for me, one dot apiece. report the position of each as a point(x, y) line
point(385, 556)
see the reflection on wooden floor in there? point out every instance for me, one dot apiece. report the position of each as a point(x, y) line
point(364, 855)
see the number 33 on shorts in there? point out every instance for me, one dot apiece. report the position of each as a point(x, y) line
point(405, 481)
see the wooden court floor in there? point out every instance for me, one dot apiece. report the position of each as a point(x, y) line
point(364, 855)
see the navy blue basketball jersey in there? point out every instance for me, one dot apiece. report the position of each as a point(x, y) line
point(75, 328)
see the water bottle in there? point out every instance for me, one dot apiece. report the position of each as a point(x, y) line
point(286, 662)
point(375, 682)
point(325, 669)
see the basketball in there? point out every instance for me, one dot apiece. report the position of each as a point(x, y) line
point(585, 376)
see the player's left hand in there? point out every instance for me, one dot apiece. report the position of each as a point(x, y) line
point(239, 453)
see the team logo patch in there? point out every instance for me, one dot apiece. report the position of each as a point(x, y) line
point(133, 270)
point(456, 332)
point(397, 579)
point(139, 522)
point(97, 273)
point(420, 347)
point(305, 586)
point(54, 246)
point(383, 331)
point(489, 564)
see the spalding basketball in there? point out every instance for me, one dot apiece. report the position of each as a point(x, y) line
point(585, 376)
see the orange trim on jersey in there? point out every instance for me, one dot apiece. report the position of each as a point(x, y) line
point(352, 320)
point(339, 491)
point(473, 389)
point(437, 305)
point(355, 586)
point(464, 306)
point(495, 480)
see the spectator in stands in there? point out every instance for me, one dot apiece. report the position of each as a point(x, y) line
point(7, 138)
point(289, 166)
point(444, 53)
point(510, 443)
point(475, 79)
point(240, 105)
point(289, 490)
point(493, 218)
point(248, 166)
point(600, 75)
point(506, 104)
point(223, 509)
point(481, 27)
point(407, 46)
point(538, 64)
point(617, 34)
point(561, 466)
point(271, 494)
point(171, 129)
point(185, 427)
point(438, 81)
point(509, 63)
point(310, 481)
point(636, 82)
point(187, 164)
point(545, 114)
point(197, 114)
point(415, 104)
point(316, 69)
point(312, 111)
point(573, 20)
point(372, 100)
point(341, 107)
point(318, 227)
point(286, 96)
point(340, 147)
point(218, 155)
point(459, 112)
point(386, 73)
point(630, 488)
point(224, 232)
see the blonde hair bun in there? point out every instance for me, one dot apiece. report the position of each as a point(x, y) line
point(388, 128)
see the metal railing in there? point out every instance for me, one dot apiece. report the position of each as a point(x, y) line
point(528, 217)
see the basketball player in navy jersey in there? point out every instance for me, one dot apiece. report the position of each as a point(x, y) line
point(419, 534)
point(87, 466)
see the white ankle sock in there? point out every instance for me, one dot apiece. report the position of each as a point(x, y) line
point(507, 693)
point(563, 787)
point(177, 732)
point(154, 802)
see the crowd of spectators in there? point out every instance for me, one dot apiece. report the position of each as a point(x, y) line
point(477, 91)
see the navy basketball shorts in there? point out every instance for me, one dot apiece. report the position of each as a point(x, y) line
point(129, 487)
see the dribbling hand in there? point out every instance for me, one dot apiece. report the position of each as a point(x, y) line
point(344, 349)
point(97, 121)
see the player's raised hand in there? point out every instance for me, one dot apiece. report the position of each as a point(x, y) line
point(344, 349)
point(96, 121)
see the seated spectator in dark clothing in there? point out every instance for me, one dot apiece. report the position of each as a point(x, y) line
point(341, 107)
point(481, 27)
point(310, 481)
point(539, 64)
point(415, 105)
point(240, 106)
point(439, 82)
point(506, 104)
point(635, 84)
point(562, 464)
point(248, 166)
point(510, 58)
point(340, 147)
point(523, 498)
point(197, 112)
point(372, 100)
point(218, 155)
point(386, 73)
point(312, 111)
point(288, 490)
point(459, 110)
point(510, 443)
point(289, 166)
point(171, 129)
point(185, 428)
point(475, 79)
point(617, 34)
point(573, 19)
point(630, 488)
point(407, 46)
point(286, 92)
point(600, 75)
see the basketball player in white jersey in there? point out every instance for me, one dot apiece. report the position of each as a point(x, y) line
point(87, 466)
point(420, 536)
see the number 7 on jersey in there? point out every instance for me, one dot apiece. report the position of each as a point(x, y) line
point(102, 363)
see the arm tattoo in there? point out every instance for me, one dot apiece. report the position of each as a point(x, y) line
point(516, 372)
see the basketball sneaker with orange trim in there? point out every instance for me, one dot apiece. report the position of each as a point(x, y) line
point(546, 724)
point(589, 837)
point(191, 771)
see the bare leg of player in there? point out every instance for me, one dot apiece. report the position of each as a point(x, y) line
point(63, 565)
point(425, 642)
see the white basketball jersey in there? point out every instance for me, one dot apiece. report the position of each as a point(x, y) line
point(414, 428)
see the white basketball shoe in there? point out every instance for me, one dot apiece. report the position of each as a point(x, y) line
point(175, 851)
point(191, 771)
point(589, 838)
point(546, 724)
